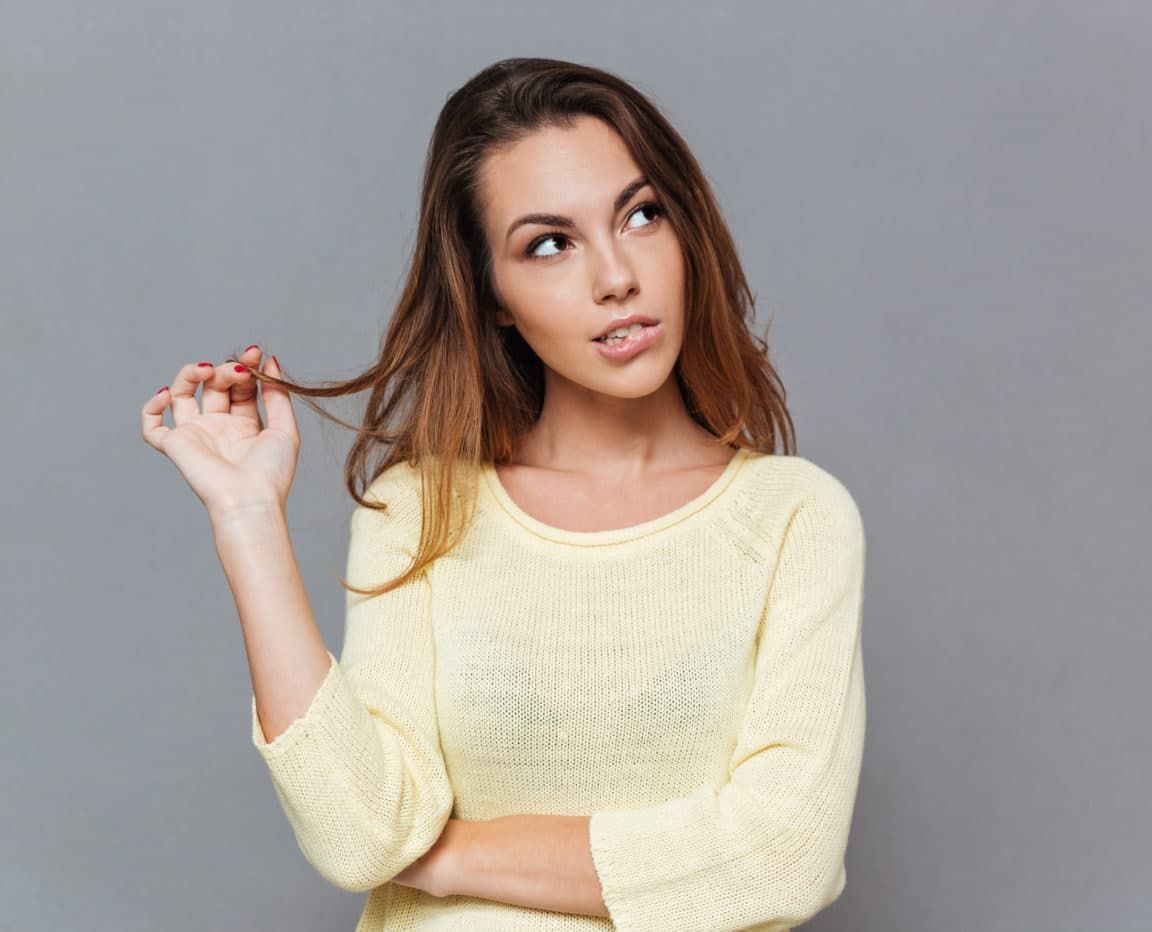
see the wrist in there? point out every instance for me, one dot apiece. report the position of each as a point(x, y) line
point(242, 524)
point(249, 513)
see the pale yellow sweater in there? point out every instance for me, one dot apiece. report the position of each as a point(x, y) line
point(694, 683)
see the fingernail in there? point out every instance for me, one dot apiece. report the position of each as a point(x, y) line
point(163, 389)
point(204, 364)
point(252, 346)
point(241, 368)
point(276, 361)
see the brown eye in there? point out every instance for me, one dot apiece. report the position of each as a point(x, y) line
point(530, 252)
point(653, 208)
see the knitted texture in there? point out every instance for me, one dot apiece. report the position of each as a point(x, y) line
point(694, 683)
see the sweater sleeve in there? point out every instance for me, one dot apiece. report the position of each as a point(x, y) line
point(360, 775)
point(766, 849)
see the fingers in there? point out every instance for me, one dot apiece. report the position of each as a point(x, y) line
point(278, 401)
point(152, 419)
point(228, 391)
point(228, 388)
point(183, 390)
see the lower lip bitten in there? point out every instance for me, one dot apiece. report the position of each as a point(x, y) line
point(631, 344)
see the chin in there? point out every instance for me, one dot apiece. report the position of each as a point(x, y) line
point(629, 383)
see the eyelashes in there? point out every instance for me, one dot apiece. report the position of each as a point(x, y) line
point(654, 207)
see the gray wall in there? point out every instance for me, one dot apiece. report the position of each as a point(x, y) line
point(944, 208)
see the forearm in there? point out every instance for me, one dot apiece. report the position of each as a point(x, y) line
point(542, 861)
point(287, 656)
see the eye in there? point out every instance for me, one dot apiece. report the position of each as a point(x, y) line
point(530, 252)
point(655, 209)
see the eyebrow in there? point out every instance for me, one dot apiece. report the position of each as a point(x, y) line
point(556, 220)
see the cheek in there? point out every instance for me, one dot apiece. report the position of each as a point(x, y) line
point(526, 290)
point(553, 335)
point(553, 338)
point(547, 308)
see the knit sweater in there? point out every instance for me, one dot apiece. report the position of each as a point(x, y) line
point(693, 683)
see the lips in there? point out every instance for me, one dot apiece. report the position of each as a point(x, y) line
point(603, 339)
point(626, 322)
point(635, 343)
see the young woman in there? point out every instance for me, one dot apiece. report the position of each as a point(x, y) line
point(601, 663)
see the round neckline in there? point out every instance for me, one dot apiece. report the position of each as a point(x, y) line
point(538, 528)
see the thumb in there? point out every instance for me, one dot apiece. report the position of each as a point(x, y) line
point(278, 401)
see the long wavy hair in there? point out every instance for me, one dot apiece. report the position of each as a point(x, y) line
point(451, 387)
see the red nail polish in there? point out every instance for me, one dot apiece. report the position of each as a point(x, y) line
point(241, 368)
point(163, 389)
point(250, 347)
point(204, 364)
point(276, 361)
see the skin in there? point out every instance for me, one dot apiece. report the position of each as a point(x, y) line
point(614, 445)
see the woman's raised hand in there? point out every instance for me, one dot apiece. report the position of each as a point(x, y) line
point(228, 457)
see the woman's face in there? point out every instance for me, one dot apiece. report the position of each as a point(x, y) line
point(562, 284)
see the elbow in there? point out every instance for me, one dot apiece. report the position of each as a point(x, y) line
point(353, 879)
point(820, 874)
point(376, 852)
point(824, 893)
point(809, 865)
point(358, 864)
point(808, 894)
point(363, 870)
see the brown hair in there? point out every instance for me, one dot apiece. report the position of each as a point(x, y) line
point(451, 386)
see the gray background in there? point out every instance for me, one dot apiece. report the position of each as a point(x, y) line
point(943, 207)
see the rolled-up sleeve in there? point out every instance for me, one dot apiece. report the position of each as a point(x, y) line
point(765, 850)
point(360, 775)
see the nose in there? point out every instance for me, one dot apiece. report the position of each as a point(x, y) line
point(613, 275)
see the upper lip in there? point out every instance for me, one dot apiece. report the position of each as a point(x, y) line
point(626, 322)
